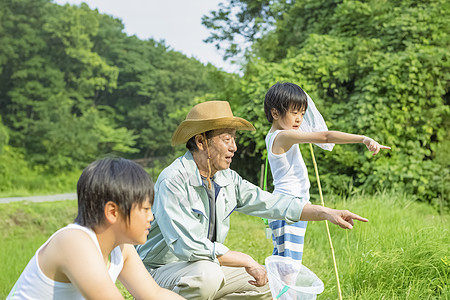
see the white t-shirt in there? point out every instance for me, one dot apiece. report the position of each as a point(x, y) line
point(33, 284)
point(289, 172)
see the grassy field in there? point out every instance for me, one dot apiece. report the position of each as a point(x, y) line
point(26, 182)
point(402, 253)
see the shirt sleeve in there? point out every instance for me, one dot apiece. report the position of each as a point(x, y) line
point(181, 224)
point(253, 201)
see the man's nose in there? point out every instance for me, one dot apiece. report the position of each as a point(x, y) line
point(233, 146)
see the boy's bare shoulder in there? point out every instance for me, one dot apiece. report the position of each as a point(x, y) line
point(67, 246)
point(70, 240)
point(71, 234)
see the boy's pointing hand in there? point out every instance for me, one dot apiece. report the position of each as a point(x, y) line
point(373, 145)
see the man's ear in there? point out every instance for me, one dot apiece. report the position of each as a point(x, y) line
point(199, 140)
point(112, 212)
point(275, 113)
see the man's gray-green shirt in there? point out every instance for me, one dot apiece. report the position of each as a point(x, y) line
point(181, 209)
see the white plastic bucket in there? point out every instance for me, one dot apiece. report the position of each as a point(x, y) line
point(289, 279)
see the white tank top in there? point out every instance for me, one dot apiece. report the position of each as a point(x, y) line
point(289, 172)
point(33, 284)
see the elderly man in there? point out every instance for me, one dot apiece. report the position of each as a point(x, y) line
point(194, 199)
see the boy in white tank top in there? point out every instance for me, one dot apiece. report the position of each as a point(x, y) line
point(83, 260)
point(285, 105)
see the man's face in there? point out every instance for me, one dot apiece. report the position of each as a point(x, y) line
point(221, 149)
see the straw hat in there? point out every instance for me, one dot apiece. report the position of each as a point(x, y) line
point(207, 116)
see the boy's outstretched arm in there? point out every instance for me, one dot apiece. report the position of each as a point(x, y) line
point(285, 139)
point(138, 281)
point(343, 218)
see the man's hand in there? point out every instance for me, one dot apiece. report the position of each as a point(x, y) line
point(373, 145)
point(259, 273)
point(344, 218)
point(239, 259)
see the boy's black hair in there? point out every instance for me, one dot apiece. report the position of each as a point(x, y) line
point(282, 96)
point(119, 180)
point(191, 145)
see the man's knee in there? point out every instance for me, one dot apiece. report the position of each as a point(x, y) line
point(203, 282)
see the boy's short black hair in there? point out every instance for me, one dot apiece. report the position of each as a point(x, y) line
point(282, 96)
point(119, 180)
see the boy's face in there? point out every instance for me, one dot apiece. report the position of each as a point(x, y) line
point(139, 222)
point(291, 120)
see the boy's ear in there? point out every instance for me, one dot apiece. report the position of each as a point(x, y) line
point(111, 212)
point(275, 114)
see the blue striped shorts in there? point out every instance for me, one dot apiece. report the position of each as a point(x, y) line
point(288, 239)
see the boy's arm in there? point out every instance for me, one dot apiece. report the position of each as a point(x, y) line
point(77, 257)
point(138, 281)
point(286, 138)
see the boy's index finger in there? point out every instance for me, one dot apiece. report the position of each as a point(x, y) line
point(381, 147)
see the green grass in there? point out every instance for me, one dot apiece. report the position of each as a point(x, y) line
point(38, 183)
point(24, 227)
point(402, 253)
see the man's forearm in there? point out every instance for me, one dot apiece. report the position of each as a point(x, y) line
point(312, 212)
point(236, 259)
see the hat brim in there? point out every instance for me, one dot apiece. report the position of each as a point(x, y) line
point(190, 128)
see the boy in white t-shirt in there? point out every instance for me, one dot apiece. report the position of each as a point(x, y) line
point(83, 260)
point(285, 105)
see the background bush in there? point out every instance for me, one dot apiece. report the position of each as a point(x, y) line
point(377, 68)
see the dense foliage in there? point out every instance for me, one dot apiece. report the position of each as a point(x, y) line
point(74, 86)
point(378, 68)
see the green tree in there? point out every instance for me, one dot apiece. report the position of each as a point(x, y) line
point(154, 83)
point(49, 79)
point(4, 137)
point(238, 23)
point(74, 86)
point(379, 68)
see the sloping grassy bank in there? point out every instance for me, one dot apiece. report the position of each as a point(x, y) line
point(402, 253)
point(32, 182)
